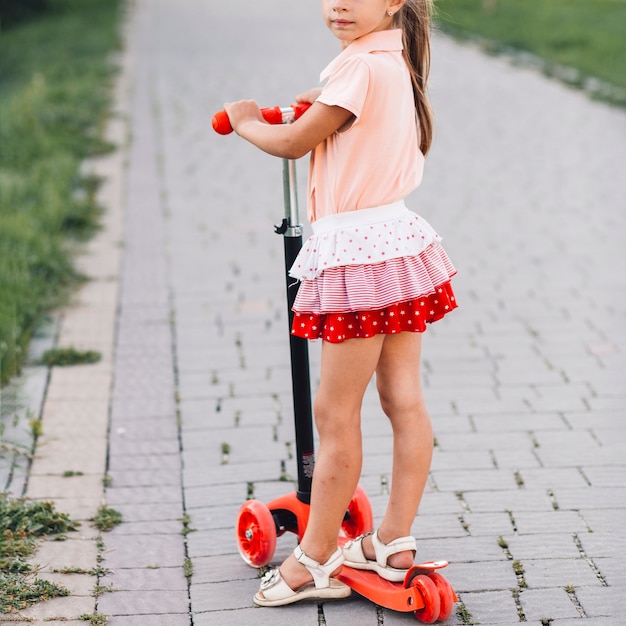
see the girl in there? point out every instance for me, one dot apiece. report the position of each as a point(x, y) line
point(372, 274)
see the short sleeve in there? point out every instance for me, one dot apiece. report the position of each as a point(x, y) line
point(347, 86)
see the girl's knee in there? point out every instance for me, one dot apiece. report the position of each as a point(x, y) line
point(407, 403)
point(336, 421)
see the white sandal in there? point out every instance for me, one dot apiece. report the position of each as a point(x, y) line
point(275, 591)
point(355, 557)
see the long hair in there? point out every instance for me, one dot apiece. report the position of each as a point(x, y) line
point(414, 18)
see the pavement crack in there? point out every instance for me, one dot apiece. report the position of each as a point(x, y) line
point(571, 592)
point(512, 520)
point(461, 498)
point(589, 561)
point(553, 500)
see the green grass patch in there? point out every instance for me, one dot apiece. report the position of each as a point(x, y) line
point(94, 619)
point(106, 518)
point(587, 35)
point(69, 356)
point(22, 525)
point(55, 84)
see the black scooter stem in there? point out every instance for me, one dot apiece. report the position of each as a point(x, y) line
point(299, 348)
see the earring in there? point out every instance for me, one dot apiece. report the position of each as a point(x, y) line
point(390, 13)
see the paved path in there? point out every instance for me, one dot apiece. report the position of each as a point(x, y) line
point(525, 382)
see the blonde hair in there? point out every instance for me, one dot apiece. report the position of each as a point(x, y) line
point(414, 19)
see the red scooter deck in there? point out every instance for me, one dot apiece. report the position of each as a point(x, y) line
point(423, 591)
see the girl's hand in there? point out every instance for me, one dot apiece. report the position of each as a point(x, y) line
point(241, 112)
point(309, 96)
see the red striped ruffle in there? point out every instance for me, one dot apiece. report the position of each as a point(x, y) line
point(409, 316)
point(375, 286)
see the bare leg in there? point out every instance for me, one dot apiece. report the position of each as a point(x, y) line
point(398, 380)
point(346, 371)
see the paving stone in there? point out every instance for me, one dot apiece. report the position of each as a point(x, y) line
point(601, 544)
point(214, 517)
point(603, 602)
point(553, 478)
point(547, 604)
point(598, 497)
point(128, 463)
point(546, 546)
point(142, 579)
point(518, 500)
point(469, 459)
point(144, 603)
point(53, 622)
point(520, 422)
point(163, 494)
point(543, 573)
point(160, 527)
point(356, 609)
point(488, 524)
point(609, 476)
point(304, 613)
point(144, 430)
point(219, 568)
point(72, 412)
point(134, 512)
point(566, 522)
point(72, 553)
point(598, 621)
point(54, 456)
point(60, 487)
point(145, 478)
point(609, 569)
point(493, 607)
point(468, 549)
point(483, 576)
point(76, 584)
point(223, 596)
point(170, 619)
point(71, 607)
point(141, 551)
point(476, 480)
point(214, 542)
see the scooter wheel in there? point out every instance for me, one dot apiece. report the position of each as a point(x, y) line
point(359, 518)
point(446, 595)
point(256, 533)
point(429, 614)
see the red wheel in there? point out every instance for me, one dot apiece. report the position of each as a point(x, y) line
point(256, 533)
point(359, 518)
point(446, 595)
point(429, 614)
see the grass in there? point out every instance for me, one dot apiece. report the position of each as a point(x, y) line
point(106, 518)
point(22, 524)
point(94, 619)
point(64, 357)
point(55, 78)
point(587, 35)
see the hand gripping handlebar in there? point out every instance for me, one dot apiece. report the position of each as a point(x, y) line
point(273, 115)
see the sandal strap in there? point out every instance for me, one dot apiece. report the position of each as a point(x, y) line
point(320, 572)
point(384, 550)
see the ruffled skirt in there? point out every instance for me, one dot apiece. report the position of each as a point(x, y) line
point(372, 271)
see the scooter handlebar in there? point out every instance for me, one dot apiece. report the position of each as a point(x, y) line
point(272, 115)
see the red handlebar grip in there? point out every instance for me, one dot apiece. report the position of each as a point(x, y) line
point(272, 115)
point(221, 123)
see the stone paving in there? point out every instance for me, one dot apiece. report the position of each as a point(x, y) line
point(190, 410)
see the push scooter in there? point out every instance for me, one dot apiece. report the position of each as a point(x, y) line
point(423, 591)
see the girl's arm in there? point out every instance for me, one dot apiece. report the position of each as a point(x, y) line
point(289, 141)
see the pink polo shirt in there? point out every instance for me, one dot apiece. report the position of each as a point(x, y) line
point(377, 160)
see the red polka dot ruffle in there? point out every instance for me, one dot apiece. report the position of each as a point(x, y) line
point(410, 316)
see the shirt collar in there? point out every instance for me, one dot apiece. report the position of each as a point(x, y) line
point(378, 41)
